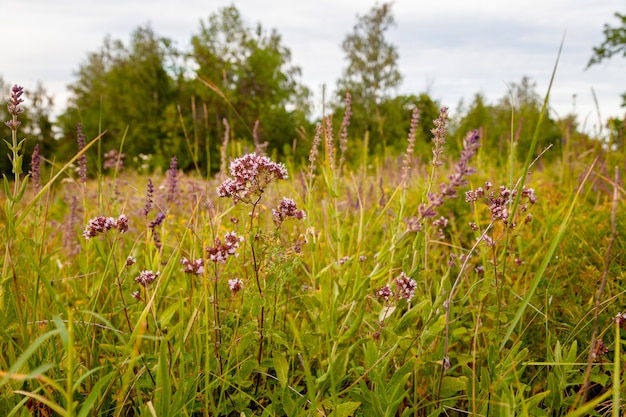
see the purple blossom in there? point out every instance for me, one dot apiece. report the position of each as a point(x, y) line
point(82, 160)
point(130, 260)
point(102, 224)
point(146, 277)
point(343, 138)
point(149, 197)
point(172, 180)
point(405, 286)
point(384, 293)
point(113, 160)
point(439, 136)
point(620, 319)
point(499, 200)
point(157, 221)
point(15, 98)
point(195, 267)
point(35, 169)
point(222, 251)
point(250, 174)
point(406, 162)
point(286, 208)
point(235, 285)
point(314, 149)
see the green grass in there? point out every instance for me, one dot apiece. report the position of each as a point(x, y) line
point(501, 329)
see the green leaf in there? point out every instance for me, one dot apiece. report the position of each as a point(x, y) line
point(450, 385)
point(163, 392)
point(94, 395)
point(345, 409)
point(281, 367)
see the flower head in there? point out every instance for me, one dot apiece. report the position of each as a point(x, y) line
point(195, 267)
point(250, 174)
point(102, 224)
point(146, 277)
point(235, 285)
point(384, 293)
point(405, 286)
point(286, 208)
point(222, 251)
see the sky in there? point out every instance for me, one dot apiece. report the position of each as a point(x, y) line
point(451, 49)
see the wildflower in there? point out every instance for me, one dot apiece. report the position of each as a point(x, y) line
point(501, 199)
point(149, 197)
point(157, 222)
point(136, 295)
point(130, 260)
point(405, 286)
point(441, 222)
point(286, 208)
point(222, 251)
point(195, 267)
point(172, 180)
point(314, 149)
point(413, 224)
point(330, 142)
point(82, 160)
point(620, 319)
point(384, 293)
point(102, 224)
point(362, 258)
point(235, 285)
point(122, 223)
point(250, 173)
point(471, 143)
point(480, 270)
point(439, 136)
point(146, 277)
point(406, 162)
point(343, 139)
point(344, 260)
point(15, 99)
point(35, 172)
point(113, 160)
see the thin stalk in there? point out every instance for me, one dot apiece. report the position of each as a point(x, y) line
point(445, 364)
point(605, 274)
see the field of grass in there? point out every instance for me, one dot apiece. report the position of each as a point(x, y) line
point(387, 286)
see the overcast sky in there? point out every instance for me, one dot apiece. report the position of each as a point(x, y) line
point(451, 49)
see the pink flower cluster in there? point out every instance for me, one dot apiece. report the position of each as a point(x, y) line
point(405, 289)
point(195, 267)
point(250, 173)
point(499, 200)
point(102, 224)
point(235, 285)
point(286, 208)
point(222, 251)
point(147, 277)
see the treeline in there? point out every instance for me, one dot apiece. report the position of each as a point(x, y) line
point(237, 82)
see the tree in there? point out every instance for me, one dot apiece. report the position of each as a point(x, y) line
point(251, 78)
point(495, 122)
point(372, 70)
point(614, 44)
point(371, 74)
point(124, 90)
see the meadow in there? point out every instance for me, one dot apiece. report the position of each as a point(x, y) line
point(380, 285)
